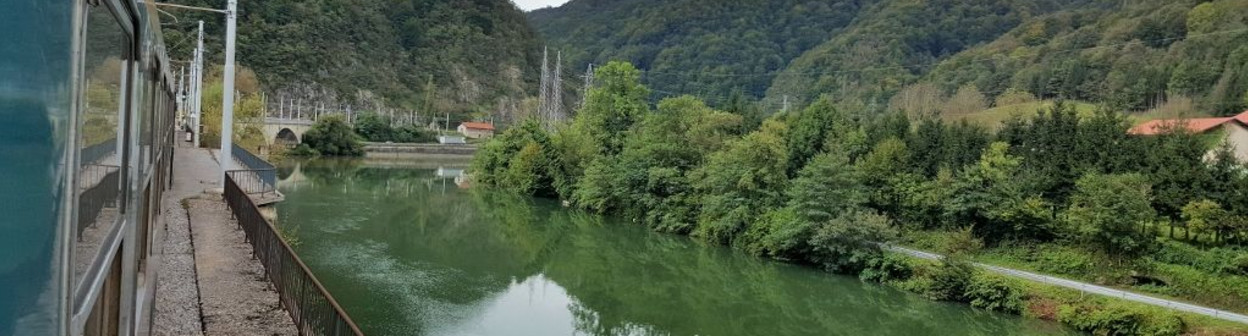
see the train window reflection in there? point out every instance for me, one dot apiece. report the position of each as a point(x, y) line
point(99, 140)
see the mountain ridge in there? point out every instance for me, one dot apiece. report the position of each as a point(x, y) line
point(1128, 56)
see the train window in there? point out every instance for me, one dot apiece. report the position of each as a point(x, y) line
point(100, 141)
point(151, 72)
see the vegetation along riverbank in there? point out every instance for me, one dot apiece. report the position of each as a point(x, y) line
point(1058, 191)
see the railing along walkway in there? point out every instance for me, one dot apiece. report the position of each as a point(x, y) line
point(258, 177)
point(313, 309)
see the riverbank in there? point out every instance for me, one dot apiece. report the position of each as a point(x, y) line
point(408, 253)
point(1210, 277)
point(1083, 306)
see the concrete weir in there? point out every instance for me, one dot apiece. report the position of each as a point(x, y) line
point(404, 151)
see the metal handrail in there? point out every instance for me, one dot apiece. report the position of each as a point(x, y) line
point(263, 170)
point(252, 182)
point(313, 309)
point(99, 151)
point(98, 196)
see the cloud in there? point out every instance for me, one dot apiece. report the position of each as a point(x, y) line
point(529, 5)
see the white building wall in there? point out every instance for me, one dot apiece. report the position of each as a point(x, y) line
point(1237, 136)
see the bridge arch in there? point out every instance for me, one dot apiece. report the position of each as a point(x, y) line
point(287, 137)
point(285, 131)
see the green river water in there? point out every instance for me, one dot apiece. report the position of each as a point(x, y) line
point(407, 251)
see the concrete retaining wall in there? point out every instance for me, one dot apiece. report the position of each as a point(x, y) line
point(404, 150)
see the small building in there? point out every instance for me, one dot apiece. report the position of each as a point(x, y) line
point(1233, 130)
point(451, 140)
point(476, 130)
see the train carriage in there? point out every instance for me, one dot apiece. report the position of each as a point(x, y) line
point(87, 108)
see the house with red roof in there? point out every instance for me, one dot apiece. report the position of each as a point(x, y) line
point(1234, 130)
point(476, 130)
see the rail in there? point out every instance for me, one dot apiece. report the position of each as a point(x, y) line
point(101, 186)
point(313, 310)
point(261, 176)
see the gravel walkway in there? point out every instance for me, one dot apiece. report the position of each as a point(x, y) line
point(208, 284)
point(177, 291)
point(235, 297)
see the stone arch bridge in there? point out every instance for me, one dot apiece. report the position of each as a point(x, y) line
point(285, 131)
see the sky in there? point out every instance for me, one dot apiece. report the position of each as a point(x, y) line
point(529, 5)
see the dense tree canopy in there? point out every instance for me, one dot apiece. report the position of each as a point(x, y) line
point(331, 136)
point(1053, 178)
point(377, 51)
point(695, 46)
point(685, 167)
point(1130, 55)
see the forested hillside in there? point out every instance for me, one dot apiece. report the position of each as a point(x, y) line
point(1128, 55)
point(694, 46)
point(479, 53)
point(1055, 192)
point(896, 42)
point(1133, 57)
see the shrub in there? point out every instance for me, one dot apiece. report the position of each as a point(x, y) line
point(303, 150)
point(521, 160)
point(1065, 260)
point(886, 268)
point(1160, 324)
point(915, 284)
point(846, 243)
point(1100, 321)
point(413, 134)
point(950, 280)
point(779, 233)
point(1117, 320)
point(1188, 282)
point(994, 293)
point(332, 136)
point(1106, 212)
point(1215, 260)
point(1239, 265)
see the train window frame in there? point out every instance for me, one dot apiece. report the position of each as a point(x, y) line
point(87, 289)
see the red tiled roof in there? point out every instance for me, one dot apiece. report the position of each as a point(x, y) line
point(1194, 125)
point(1242, 117)
point(477, 125)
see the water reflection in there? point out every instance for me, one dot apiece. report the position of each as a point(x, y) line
point(405, 256)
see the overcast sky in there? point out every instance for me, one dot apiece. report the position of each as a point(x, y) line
point(529, 5)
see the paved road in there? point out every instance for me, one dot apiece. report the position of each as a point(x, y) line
point(1088, 288)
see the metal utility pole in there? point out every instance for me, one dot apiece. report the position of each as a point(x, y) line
point(198, 85)
point(543, 100)
point(556, 94)
point(589, 82)
point(227, 101)
point(179, 82)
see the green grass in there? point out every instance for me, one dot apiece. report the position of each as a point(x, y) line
point(1083, 310)
point(1196, 275)
point(993, 117)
